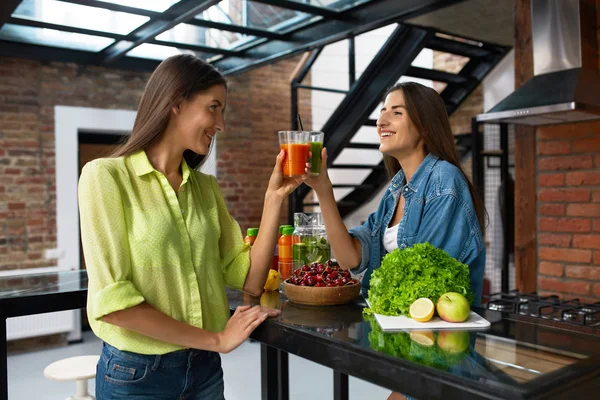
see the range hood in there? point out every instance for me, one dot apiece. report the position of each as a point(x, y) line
point(561, 89)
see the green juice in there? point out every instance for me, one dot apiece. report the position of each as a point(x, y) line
point(310, 250)
point(315, 160)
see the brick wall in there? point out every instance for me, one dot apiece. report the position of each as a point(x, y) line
point(568, 204)
point(568, 179)
point(259, 105)
point(29, 90)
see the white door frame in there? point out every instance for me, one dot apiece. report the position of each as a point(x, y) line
point(68, 122)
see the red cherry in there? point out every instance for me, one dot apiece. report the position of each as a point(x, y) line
point(305, 268)
point(310, 281)
point(338, 282)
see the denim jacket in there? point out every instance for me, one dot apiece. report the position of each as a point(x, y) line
point(438, 209)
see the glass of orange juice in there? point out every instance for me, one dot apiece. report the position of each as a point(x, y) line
point(297, 147)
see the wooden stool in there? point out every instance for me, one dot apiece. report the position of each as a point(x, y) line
point(78, 369)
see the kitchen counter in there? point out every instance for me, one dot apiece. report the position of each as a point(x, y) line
point(514, 358)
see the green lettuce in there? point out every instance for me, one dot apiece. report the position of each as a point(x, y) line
point(399, 344)
point(418, 271)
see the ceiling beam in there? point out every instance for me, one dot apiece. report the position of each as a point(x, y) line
point(181, 12)
point(357, 20)
point(64, 28)
point(302, 7)
point(203, 23)
point(194, 47)
point(115, 7)
point(116, 36)
point(7, 8)
point(48, 53)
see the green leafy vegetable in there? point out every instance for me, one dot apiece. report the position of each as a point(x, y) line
point(419, 271)
point(399, 344)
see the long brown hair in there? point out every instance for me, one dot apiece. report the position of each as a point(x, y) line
point(177, 78)
point(427, 111)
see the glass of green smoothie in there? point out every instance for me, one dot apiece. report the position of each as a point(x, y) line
point(316, 145)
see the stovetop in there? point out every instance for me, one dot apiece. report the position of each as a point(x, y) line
point(573, 313)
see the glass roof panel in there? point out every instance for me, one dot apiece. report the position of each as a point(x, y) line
point(337, 5)
point(57, 12)
point(254, 15)
point(54, 38)
point(158, 52)
point(195, 35)
point(152, 5)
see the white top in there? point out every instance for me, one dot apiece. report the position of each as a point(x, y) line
point(390, 238)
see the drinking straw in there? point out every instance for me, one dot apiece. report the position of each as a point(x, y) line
point(300, 122)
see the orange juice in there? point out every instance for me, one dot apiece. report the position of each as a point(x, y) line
point(296, 156)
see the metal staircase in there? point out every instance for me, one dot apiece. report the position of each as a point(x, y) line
point(394, 60)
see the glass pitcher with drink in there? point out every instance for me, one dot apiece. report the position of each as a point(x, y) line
point(310, 243)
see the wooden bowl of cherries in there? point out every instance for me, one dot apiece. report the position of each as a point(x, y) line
point(321, 285)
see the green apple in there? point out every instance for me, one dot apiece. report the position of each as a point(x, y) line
point(453, 307)
point(453, 341)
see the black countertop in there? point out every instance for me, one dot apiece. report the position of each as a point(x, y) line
point(512, 359)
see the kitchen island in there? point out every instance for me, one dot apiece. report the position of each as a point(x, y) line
point(515, 358)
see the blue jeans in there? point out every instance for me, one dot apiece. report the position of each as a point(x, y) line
point(184, 374)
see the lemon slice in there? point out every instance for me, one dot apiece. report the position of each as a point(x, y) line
point(422, 309)
point(272, 282)
point(424, 338)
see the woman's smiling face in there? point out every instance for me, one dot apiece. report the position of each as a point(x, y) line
point(200, 118)
point(398, 136)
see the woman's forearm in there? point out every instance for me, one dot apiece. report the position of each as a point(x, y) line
point(347, 250)
point(263, 249)
point(150, 322)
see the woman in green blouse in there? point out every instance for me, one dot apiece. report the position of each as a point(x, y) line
point(160, 245)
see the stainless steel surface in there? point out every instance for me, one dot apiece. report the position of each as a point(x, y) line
point(561, 90)
point(500, 306)
point(510, 115)
point(573, 314)
point(556, 38)
point(544, 115)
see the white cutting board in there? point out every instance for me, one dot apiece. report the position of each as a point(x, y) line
point(403, 323)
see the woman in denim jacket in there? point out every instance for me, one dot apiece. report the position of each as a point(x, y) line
point(429, 198)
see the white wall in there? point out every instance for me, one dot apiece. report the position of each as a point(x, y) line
point(331, 70)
